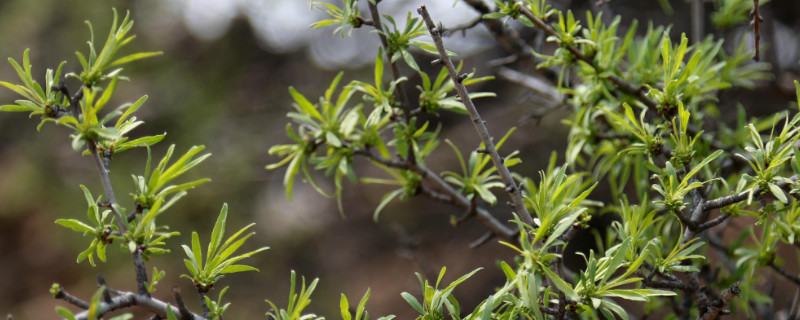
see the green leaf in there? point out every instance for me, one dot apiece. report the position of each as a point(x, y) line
point(487, 308)
point(384, 201)
point(134, 57)
point(494, 15)
point(344, 307)
point(413, 302)
point(76, 225)
point(17, 108)
point(778, 192)
point(562, 285)
point(237, 268)
point(65, 313)
point(218, 232)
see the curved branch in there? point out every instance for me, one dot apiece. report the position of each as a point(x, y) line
point(448, 193)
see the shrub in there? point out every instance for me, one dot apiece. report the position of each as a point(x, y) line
point(644, 124)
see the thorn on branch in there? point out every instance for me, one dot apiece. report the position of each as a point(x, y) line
point(185, 313)
point(462, 77)
point(437, 62)
point(102, 282)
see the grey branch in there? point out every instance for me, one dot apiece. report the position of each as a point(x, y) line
point(129, 299)
point(477, 121)
point(185, 313)
point(75, 301)
point(138, 262)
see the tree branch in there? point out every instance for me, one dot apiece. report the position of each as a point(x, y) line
point(712, 223)
point(138, 262)
point(477, 121)
point(716, 307)
point(785, 273)
point(130, 299)
point(741, 196)
point(449, 195)
point(402, 94)
point(636, 91)
point(73, 300)
point(484, 216)
point(510, 40)
point(756, 22)
point(185, 313)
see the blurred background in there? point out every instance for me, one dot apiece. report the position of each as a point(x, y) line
point(222, 82)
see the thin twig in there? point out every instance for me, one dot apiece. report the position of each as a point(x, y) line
point(712, 223)
point(102, 282)
point(402, 93)
point(535, 84)
point(477, 121)
point(106, 181)
point(138, 262)
point(482, 240)
point(73, 300)
point(446, 192)
point(785, 274)
point(463, 28)
point(756, 22)
point(486, 218)
point(185, 313)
